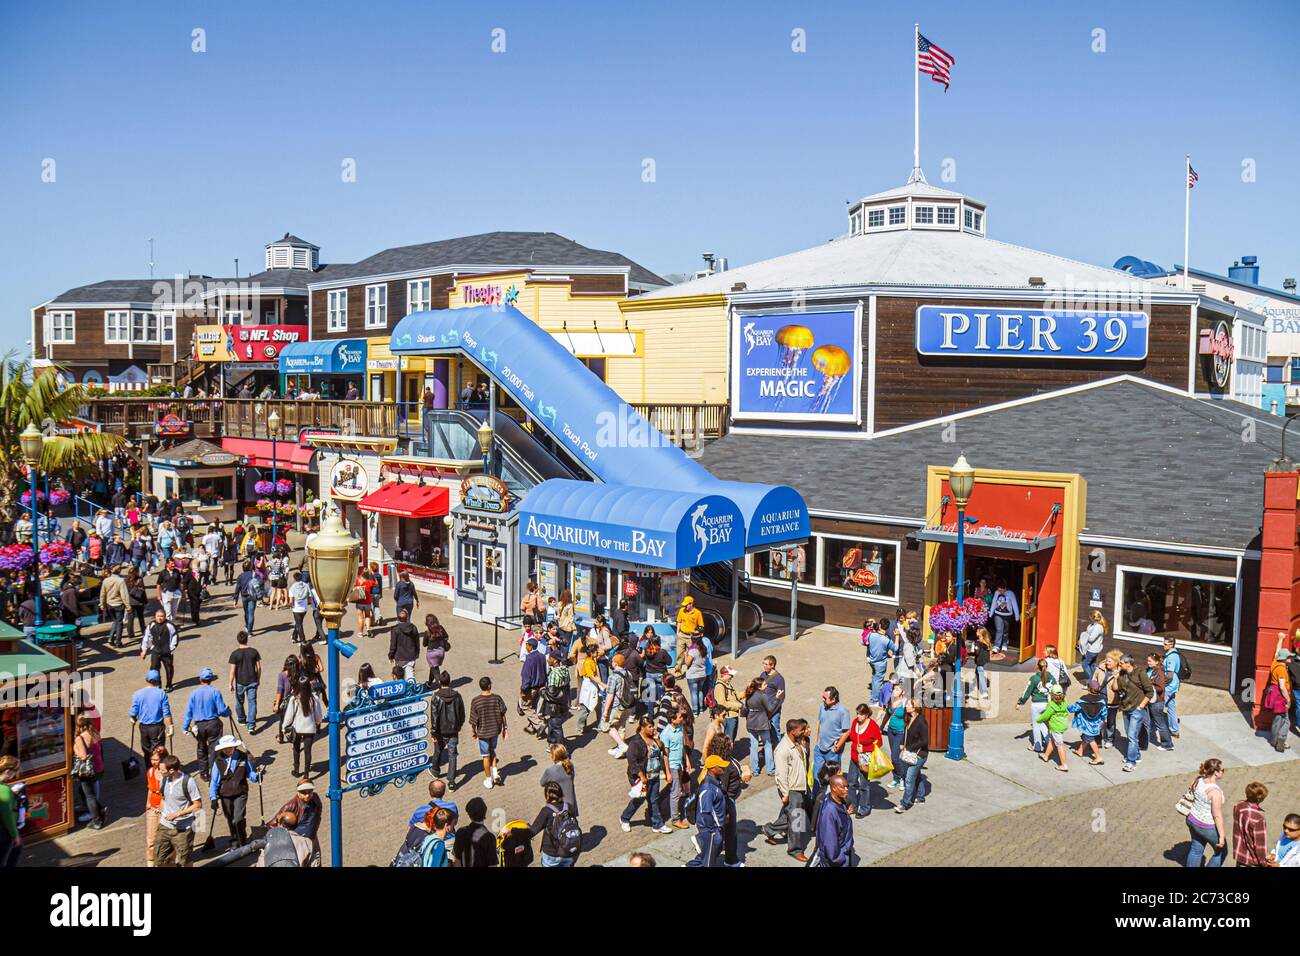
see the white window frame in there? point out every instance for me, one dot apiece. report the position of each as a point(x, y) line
point(166, 328)
point(336, 307)
point(819, 586)
point(968, 217)
point(873, 214)
point(979, 222)
point(469, 569)
point(928, 211)
point(425, 302)
point(115, 334)
point(900, 212)
point(377, 310)
point(1156, 640)
point(939, 213)
point(57, 335)
point(145, 338)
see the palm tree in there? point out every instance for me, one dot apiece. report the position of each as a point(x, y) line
point(46, 400)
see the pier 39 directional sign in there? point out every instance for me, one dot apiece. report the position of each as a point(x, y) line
point(387, 735)
point(969, 331)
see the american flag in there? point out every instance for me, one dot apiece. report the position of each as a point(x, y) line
point(933, 61)
point(1191, 176)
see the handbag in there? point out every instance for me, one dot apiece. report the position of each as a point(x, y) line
point(909, 757)
point(357, 595)
point(83, 768)
point(1184, 804)
point(1275, 700)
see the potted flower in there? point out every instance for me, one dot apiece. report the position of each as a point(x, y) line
point(16, 557)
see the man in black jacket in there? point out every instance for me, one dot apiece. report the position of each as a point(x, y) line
point(448, 718)
point(404, 644)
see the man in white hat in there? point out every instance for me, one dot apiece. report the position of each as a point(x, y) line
point(232, 770)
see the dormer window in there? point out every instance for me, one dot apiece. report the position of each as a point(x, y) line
point(974, 220)
point(897, 215)
point(875, 218)
point(947, 215)
point(925, 215)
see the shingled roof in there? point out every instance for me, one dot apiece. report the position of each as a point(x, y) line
point(1160, 465)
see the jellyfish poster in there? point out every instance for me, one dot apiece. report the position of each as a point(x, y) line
point(797, 366)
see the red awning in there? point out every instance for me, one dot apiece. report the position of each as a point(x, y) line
point(407, 500)
point(289, 455)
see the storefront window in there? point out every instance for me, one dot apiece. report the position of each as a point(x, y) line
point(469, 565)
point(208, 491)
point(422, 541)
point(775, 564)
point(860, 565)
point(36, 735)
point(1160, 605)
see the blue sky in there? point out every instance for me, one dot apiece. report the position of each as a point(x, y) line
point(756, 147)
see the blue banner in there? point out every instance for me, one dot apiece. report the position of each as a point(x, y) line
point(797, 366)
point(983, 332)
point(330, 357)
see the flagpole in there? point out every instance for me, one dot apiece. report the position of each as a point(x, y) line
point(1187, 214)
point(916, 103)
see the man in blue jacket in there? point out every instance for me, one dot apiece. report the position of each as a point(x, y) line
point(835, 826)
point(203, 716)
point(879, 649)
point(1173, 663)
point(711, 814)
point(531, 681)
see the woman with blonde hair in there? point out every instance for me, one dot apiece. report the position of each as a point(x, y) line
point(1090, 643)
point(560, 773)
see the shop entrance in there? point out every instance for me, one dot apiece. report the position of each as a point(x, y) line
point(984, 573)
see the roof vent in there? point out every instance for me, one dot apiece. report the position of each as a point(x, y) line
point(739, 286)
point(1037, 281)
point(1288, 284)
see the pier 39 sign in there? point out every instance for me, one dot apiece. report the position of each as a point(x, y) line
point(1011, 333)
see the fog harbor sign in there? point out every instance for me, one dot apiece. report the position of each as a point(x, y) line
point(387, 735)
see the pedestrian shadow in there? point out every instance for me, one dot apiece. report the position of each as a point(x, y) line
point(1178, 852)
point(592, 838)
point(522, 765)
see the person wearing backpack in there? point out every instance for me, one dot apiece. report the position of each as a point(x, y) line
point(619, 703)
point(448, 718)
point(1176, 671)
point(433, 852)
point(559, 829)
point(181, 799)
point(232, 771)
point(249, 590)
point(409, 854)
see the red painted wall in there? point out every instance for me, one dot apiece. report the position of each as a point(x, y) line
point(1020, 508)
point(1279, 576)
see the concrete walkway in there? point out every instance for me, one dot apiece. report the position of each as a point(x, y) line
point(998, 776)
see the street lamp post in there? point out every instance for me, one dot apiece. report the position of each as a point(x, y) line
point(485, 444)
point(32, 443)
point(961, 481)
point(273, 425)
point(332, 558)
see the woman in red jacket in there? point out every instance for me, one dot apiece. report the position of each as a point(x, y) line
point(864, 736)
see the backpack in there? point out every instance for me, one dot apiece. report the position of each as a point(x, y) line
point(280, 850)
point(407, 855)
point(514, 844)
point(565, 832)
point(628, 694)
point(1184, 669)
point(555, 701)
point(255, 590)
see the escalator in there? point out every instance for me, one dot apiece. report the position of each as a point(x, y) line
point(711, 588)
point(520, 461)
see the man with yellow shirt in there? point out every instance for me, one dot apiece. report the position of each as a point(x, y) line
point(689, 623)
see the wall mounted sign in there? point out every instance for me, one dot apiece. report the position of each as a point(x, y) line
point(419, 572)
point(797, 366)
point(245, 343)
point(217, 459)
point(979, 332)
point(172, 426)
point(485, 493)
point(481, 294)
point(348, 479)
point(1216, 346)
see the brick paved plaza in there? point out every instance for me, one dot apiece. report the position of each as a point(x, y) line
point(993, 807)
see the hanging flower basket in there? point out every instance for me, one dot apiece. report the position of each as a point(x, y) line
point(264, 488)
point(58, 496)
point(955, 617)
point(16, 557)
point(26, 498)
point(57, 553)
point(284, 487)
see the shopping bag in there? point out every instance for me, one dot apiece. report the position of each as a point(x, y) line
point(880, 764)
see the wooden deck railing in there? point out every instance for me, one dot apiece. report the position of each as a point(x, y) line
point(687, 426)
point(242, 417)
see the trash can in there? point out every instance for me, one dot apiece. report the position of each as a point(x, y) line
point(939, 720)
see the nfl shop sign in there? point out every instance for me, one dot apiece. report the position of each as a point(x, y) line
point(979, 332)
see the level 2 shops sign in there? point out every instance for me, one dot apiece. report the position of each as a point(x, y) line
point(485, 493)
point(982, 332)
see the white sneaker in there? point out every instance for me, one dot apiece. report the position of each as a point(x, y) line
point(736, 865)
point(665, 828)
point(620, 751)
point(487, 782)
point(627, 827)
point(612, 751)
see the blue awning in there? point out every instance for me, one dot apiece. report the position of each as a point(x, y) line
point(774, 514)
point(664, 529)
point(330, 357)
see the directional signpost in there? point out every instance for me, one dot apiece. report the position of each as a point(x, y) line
point(387, 735)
